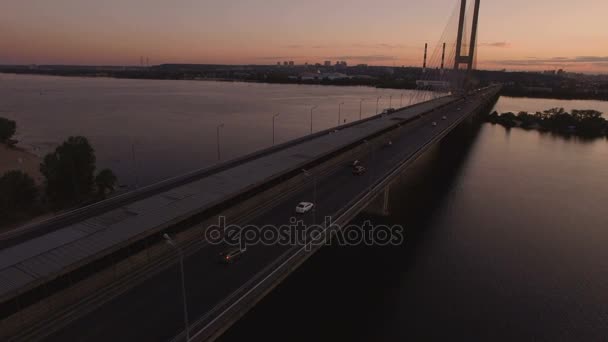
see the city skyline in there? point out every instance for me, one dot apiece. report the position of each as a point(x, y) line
point(256, 32)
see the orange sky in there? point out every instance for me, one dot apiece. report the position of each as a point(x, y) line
point(514, 34)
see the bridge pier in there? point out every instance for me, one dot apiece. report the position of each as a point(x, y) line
point(380, 205)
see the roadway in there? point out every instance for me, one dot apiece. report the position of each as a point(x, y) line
point(152, 311)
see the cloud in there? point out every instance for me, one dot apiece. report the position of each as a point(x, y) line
point(366, 58)
point(497, 44)
point(293, 46)
point(378, 46)
point(555, 61)
point(281, 58)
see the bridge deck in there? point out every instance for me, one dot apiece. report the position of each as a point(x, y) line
point(31, 262)
point(152, 310)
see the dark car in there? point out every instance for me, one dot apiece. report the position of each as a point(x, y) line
point(359, 170)
point(231, 255)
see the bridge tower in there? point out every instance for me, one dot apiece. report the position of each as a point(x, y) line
point(466, 59)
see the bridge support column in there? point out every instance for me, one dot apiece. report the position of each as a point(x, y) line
point(386, 202)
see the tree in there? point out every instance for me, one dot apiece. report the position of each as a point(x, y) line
point(105, 181)
point(7, 129)
point(69, 171)
point(18, 194)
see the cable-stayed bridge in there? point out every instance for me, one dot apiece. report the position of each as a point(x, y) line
point(114, 270)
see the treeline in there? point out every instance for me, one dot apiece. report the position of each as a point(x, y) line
point(562, 94)
point(584, 123)
point(69, 180)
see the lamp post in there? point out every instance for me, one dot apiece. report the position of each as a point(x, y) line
point(172, 243)
point(311, 110)
point(273, 118)
point(401, 101)
point(370, 165)
point(314, 194)
point(390, 101)
point(340, 113)
point(378, 103)
point(361, 109)
point(219, 155)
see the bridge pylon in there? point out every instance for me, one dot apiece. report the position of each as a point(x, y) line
point(468, 59)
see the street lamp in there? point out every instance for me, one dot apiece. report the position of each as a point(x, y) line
point(390, 101)
point(340, 113)
point(401, 101)
point(370, 164)
point(172, 243)
point(361, 109)
point(377, 103)
point(314, 194)
point(311, 110)
point(219, 156)
point(273, 118)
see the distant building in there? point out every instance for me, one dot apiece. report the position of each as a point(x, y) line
point(334, 76)
point(309, 76)
point(433, 84)
point(286, 63)
point(291, 63)
point(312, 76)
point(341, 64)
point(327, 63)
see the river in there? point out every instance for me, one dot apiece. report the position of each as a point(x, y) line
point(148, 130)
point(506, 230)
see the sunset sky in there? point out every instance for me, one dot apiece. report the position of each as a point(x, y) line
point(513, 34)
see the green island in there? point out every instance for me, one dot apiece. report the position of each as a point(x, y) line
point(583, 123)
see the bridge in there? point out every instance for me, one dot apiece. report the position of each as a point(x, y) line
point(142, 266)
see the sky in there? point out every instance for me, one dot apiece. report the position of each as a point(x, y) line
point(513, 34)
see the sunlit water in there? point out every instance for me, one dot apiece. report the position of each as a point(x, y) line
point(507, 231)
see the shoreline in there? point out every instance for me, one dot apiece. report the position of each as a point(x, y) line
point(505, 93)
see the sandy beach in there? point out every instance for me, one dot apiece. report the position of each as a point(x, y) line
point(18, 159)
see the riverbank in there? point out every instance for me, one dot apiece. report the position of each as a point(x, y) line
point(14, 158)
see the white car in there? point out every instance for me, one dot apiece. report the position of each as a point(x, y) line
point(444, 118)
point(434, 124)
point(304, 207)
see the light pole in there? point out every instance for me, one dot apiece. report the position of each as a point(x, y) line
point(311, 110)
point(390, 101)
point(314, 194)
point(370, 165)
point(378, 103)
point(401, 101)
point(361, 109)
point(340, 113)
point(273, 118)
point(219, 156)
point(172, 243)
point(134, 165)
